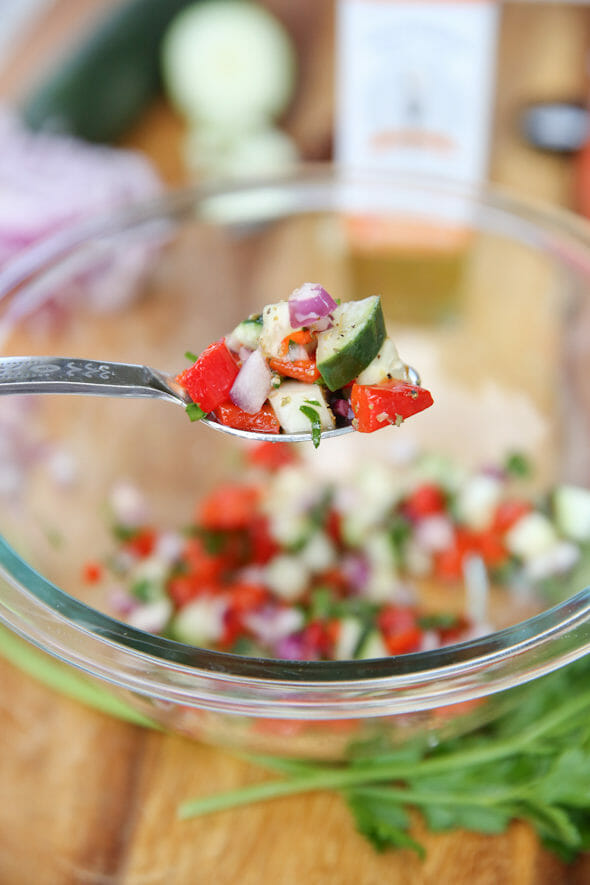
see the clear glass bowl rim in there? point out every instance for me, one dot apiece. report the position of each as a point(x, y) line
point(66, 628)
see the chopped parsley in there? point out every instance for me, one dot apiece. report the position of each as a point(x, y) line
point(316, 424)
point(192, 357)
point(195, 412)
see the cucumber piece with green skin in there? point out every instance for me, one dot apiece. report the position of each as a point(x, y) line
point(104, 84)
point(352, 343)
point(246, 334)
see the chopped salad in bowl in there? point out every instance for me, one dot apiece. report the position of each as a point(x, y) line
point(307, 364)
point(281, 564)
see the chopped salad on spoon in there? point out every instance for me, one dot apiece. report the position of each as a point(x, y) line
point(305, 365)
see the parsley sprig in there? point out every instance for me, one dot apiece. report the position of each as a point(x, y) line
point(533, 764)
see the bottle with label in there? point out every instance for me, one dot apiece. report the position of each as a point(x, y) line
point(415, 85)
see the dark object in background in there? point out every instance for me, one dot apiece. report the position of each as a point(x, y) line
point(560, 127)
point(101, 88)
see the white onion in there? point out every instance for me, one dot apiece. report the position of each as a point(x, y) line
point(252, 385)
point(309, 304)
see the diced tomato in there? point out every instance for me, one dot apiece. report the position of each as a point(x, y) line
point(209, 381)
point(508, 513)
point(141, 542)
point(334, 526)
point(447, 635)
point(448, 564)
point(228, 507)
point(272, 455)
point(334, 578)
point(232, 628)
point(400, 629)
point(182, 589)
point(92, 572)
point(303, 337)
point(245, 596)
point(319, 638)
point(201, 565)
point(264, 421)
point(426, 500)
point(379, 405)
point(491, 548)
point(301, 370)
point(263, 545)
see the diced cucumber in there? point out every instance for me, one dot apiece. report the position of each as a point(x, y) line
point(230, 63)
point(533, 535)
point(246, 334)
point(352, 343)
point(200, 622)
point(288, 399)
point(571, 506)
point(349, 633)
point(386, 365)
point(371, 646)
point(286, 576)
point(276, 325)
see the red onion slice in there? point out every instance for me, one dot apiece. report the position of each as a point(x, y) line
point(252, 384)
point(308, 304)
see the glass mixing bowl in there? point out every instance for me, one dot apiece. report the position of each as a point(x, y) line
point(486, 295)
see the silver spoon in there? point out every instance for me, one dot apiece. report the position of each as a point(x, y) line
point(46, 374)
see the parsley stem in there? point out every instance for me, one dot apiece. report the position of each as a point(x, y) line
point(409, 796)
point(333, 778)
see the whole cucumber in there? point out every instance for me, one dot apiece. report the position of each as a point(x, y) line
point(102, 87)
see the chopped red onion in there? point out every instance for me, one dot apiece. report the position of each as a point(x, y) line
point(271, 624)
point(252, 384)
point(308, 304)
point(356, 570)
point(434, 533)
point(343, 408)
point(51, 182)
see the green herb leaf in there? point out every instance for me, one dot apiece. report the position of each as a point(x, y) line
point(195, 412)
point(192, 357)
point(316, 425)
point(517, 464)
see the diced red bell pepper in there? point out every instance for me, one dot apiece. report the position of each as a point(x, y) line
point(508, 513)
point(202, 565)
point(426, 500)
point(182, 589)
point(142, 542)
point(262, 544)
point(320, 637)
point(490, 546)
point(303, 337)
point(448, 564)
point(272, 455)
point(380, 405)
point(209, 381)
point(400, 629)
point(228, 507)
point(301, 370)
point(264, 421)
point(92, 572)
point(245, 596)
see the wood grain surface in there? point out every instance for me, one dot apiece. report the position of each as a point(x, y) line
point(85, 799)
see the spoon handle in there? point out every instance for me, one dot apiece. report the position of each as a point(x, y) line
point(44, 374)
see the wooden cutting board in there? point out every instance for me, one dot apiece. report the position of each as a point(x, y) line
point(85, 799)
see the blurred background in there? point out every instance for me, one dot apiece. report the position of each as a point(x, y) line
point(103, 102)
point(213, 89)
